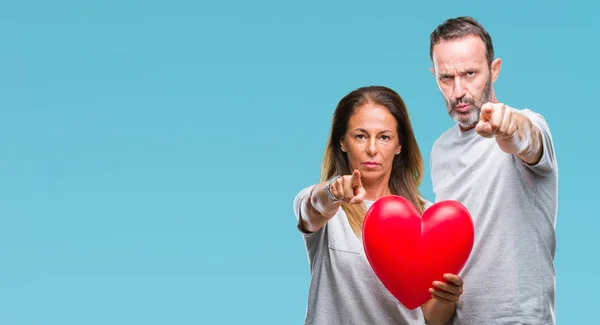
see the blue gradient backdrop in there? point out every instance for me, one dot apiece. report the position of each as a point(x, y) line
point(150, 151)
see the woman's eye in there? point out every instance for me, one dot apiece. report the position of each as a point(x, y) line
point(385, 137)
point(360, 136)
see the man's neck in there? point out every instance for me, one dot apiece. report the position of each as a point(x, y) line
point(466, 128)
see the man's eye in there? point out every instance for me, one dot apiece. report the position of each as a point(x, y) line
point(471, 73)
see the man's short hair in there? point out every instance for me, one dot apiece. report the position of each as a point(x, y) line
point(460, 27)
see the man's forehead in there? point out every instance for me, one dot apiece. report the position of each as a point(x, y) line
point(468, 50)
point(458, 65)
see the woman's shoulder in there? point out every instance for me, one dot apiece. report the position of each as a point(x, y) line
point(426, 203)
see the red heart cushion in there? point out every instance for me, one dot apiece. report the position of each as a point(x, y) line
point(408, 252)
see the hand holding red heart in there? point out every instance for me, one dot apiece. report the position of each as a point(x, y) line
point(448, 292)
point(412, 253)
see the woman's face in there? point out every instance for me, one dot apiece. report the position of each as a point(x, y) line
point(371, 141)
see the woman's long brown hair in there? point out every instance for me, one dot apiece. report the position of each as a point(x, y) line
point(407, 168)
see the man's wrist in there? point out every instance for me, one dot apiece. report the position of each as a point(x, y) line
point(523, 134)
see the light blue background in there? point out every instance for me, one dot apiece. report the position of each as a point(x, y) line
point(150, 151)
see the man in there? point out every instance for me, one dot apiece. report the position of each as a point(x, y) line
point(498, 162)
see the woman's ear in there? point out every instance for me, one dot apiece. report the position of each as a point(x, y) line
point(399, 150)
point(342, 146)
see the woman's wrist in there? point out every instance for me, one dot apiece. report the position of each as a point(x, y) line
point(321, 202)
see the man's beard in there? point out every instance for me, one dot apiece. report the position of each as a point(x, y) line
point(472, 116)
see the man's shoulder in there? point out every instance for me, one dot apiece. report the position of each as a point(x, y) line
point(525, 110)
point(446, 136)
point(535, 116)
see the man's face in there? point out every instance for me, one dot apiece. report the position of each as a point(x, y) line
point(464, 77)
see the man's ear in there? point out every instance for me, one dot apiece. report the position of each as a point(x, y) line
point(496, 64)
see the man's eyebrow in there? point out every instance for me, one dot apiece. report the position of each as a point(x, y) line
point(459, 71)
point(463, 70)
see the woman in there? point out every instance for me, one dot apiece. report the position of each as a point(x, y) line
point(373, 149)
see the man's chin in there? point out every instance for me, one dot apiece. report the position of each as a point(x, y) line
point(464, 122)
point(465, 119)
point(467, 125)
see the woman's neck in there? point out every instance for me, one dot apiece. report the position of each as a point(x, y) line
point(377, 188)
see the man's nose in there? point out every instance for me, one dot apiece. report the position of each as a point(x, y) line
point(459, 88)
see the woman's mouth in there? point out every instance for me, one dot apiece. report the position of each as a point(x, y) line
point(370, 164)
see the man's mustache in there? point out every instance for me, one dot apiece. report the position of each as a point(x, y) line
point(464, 100)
